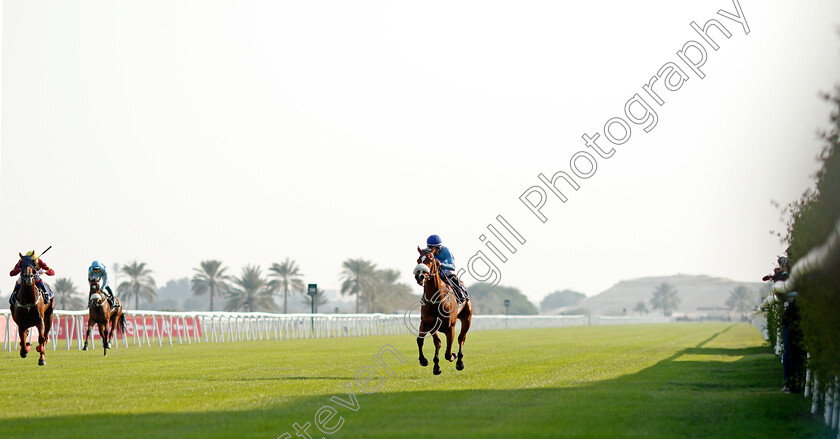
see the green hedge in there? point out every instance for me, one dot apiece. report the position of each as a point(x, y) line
point(814, 217)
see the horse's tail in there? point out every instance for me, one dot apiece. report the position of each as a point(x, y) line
point(121, 323)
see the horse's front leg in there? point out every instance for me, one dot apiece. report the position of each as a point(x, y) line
point(436, 339)
point(24, 346)
point(420, 339)
point(103, 333)
point(88, 333)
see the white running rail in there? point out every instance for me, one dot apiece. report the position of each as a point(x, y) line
point(145, 328)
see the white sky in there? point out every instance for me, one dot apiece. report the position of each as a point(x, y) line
point(177, 131)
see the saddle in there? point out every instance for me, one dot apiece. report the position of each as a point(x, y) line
point(47, 292)
point(461, 293)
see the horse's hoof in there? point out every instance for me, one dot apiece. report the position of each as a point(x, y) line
point(459, 365)
point(23, 354)
point(42, 362)
point(424, 362)
point(28, 344)
point(84, 348)
point(436, 371)
point(451, 357)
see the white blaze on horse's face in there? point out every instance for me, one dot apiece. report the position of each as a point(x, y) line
point(28, 278)
point(421, 268)
point(421, 273)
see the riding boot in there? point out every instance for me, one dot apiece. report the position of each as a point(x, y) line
point(456, 287)
point(44, 293)
point(110, 295)
point(13, 297)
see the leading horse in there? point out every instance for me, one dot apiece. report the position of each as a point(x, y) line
point(106, 318)
point(440, 311)
point(30, 309)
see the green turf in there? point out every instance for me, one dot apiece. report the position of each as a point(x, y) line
point(707, 380)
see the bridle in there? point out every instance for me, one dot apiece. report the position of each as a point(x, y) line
point(96, 294)
point(27, 276)
point(425, 271)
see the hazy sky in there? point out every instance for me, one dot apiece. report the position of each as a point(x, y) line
point(177, 131)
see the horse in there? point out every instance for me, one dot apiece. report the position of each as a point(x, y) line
point(440, 311)
point(30, 309)
point(106, 318)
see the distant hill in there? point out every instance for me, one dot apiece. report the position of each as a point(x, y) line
point(699, 295)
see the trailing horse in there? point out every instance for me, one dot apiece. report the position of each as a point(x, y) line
point(106, 318)
point(30, 309)
point(440, 311)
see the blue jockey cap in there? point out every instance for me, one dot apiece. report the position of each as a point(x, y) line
point(96, 265)
point(434, 241)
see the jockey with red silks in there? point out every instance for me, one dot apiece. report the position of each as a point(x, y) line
point(40, 265)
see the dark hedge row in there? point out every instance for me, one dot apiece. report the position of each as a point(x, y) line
point(814, 218)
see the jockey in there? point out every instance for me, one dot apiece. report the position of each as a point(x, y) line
point(97, 272)
point(41, 265)
point(447, 266)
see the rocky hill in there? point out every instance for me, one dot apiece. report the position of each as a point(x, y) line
point(699, 295)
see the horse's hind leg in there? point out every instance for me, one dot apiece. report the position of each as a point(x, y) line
point(48, 323)
point(462, 337)
point(450, 336)
point(436, 339)
point(42, 342)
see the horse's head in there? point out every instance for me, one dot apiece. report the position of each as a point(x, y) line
point(28, 268)
point(426, 266)
point(95, 297)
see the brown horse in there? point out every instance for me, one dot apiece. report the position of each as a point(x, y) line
point(106, 318)
point(440, 311)
point(30, 309)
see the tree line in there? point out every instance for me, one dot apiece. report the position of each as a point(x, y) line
point(375, 289)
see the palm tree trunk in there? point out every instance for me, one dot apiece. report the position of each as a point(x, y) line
point(285, 300)
point(358, 294)
point(212, 293)
point(136, 297)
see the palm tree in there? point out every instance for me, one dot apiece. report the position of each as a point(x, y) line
point(319, 300)
point(210, 277)
point(665, 298)
point(358, 278)
point(390, 295)
point(250, 292)
point(739, 300)
point(640, 308)
point(287, 276)
point(65, 295)
point(140, 283)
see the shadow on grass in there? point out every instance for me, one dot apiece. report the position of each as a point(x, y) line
point(705, 399)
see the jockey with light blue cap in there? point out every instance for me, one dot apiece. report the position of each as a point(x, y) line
point(447, 266)
point(97, 272)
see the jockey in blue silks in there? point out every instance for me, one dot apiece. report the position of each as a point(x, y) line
point(447, 265)
point(97, 272)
